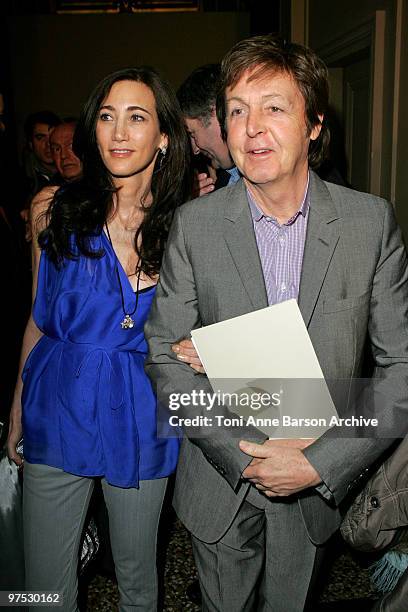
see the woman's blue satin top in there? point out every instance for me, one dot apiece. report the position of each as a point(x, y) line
point(88, 406)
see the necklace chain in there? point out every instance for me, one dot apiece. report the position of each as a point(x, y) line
point(127, 322)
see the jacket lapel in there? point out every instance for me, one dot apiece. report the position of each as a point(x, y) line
point(321, 239)
point(322, 236)
point(240, 238)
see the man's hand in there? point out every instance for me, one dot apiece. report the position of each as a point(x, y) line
point(279, 467)
point(203, 184)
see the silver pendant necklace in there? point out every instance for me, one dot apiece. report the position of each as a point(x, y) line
point(127, 322)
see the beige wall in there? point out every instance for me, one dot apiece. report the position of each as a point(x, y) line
point(328, 21)
point(56, 60)
point(332, 20)
point(401, 182)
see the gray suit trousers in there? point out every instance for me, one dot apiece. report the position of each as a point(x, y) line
point(249, 568)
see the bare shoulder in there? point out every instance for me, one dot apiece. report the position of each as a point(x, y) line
point(42, 200)
point(39, 206)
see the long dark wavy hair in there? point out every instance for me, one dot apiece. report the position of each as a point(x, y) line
point(80, 209)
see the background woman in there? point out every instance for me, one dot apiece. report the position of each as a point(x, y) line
point(88, 407)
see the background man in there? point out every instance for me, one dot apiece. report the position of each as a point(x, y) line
point(197, 96)
point(66, 162)
point(39, 165)
point(259, 512)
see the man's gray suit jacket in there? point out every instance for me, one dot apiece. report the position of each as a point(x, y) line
point(353, 287)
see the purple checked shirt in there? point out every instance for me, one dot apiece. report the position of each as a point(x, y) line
point(281, 253)
point(281, 249)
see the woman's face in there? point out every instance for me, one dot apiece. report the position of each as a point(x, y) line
point(127, 130)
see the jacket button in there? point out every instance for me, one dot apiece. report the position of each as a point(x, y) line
point(375, 502)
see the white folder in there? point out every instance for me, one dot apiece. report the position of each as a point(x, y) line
point(268, 350)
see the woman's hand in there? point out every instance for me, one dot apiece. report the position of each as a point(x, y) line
point(14, 436)
point(186, 352)
point(25, 215)
point(32, 334)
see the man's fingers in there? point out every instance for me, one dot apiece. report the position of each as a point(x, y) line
point(205, 190)
point(204, 180)
point(184, 351)
point(260, 487)
point(252, 471)
point(254, 450)
point(291, 442)
point(269, 493)
point(184, 347)
point(189, 359)
point(275, 492)
point(188, 355)
point(205, 184)
point(186, 343)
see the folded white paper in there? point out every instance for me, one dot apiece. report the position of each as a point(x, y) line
point(268, 352)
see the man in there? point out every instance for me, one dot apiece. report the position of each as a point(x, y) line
point(259, 511)
point(66, 162)
point(214, 167)
point(197, 97)
point(40, 167)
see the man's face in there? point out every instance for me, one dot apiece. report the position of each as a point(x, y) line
point(40, 143)
point(266, 128)
point(66, 162)
point(206, 138)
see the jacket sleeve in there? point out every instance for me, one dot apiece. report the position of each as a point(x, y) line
point(175, 312)
point(342, 463)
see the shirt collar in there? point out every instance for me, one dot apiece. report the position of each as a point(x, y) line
point(234, 174)
point(258, 214)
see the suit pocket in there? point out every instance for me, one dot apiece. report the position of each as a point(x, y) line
point(332, 305)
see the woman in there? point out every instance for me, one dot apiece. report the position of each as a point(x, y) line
point(88, 407)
